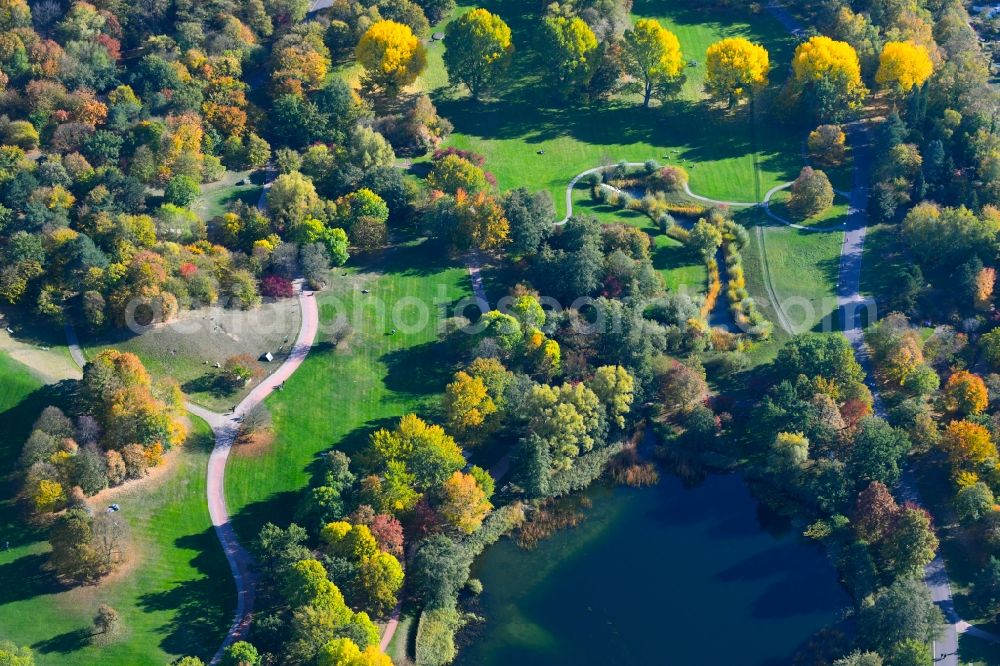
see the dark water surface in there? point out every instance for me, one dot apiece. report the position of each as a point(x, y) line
point(661, 575)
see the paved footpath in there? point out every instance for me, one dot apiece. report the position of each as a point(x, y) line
point(852, 304)
point(225, 428)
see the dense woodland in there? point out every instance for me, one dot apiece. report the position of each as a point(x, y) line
point(113, 115)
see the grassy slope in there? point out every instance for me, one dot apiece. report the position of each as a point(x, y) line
point(718, 148)
point(176, 598)
point(338, 396)
point(803, 267)
point(216, 198)
point(207, 335)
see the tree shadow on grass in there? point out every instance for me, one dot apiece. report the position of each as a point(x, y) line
point(278, 508)
point(17, 422)
point(26, 578)
point(422, 369)
point(210, 383)
point(65, 643)
point(203, 607)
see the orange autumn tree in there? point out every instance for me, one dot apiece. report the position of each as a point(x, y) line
point(965, 393)
point(985, 282)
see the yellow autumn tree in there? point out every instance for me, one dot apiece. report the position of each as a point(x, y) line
point(653, 55)
point(734, 67)
point(544, 352)
point(985, 281)
point(903, 65)
point(467, 403)
point(477, 50)
point(480, 221)
point(345, 652)
point(968, 443)
point(48, 496)
point(465, 504)
point(832, 71)
point(392, 56)
point(615, 387)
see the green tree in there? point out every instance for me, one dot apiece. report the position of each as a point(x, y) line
point(986, 589)
point(989, 343)
point(653, 55)
point(452, 173)
point(292, 198)
point(12, 655)
point(426, 450)
point(478, 50)
point(241, 653)
point(859, 658)
point(973, 502)
point(903, 611)
point(381, 578)
point(530, 217)
point(878, 450)
point(788, 453)
point(705, 237)
point(440, 568)
point(910, 544)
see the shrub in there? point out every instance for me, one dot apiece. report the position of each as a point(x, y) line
point(275, 286)
point(435, 644)
point(668, 179)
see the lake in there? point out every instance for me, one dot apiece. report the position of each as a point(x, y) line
point(661, 575)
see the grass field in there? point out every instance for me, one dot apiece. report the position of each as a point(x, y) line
point(188, 348)
point(881, 259)
point(341, 393)
point(217, 197)
point(175, 595)
point(831, 218)
point(727, 155)
point(803, 268)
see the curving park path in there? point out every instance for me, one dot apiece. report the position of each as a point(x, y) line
point(225, 428)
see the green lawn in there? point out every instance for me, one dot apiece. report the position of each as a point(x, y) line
point(977, 652)
point(803, 267)
point(727, 155)
point(175, 597)
point(216, 198)
point(880, 260)
point(340, 394)
point(831, 218)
